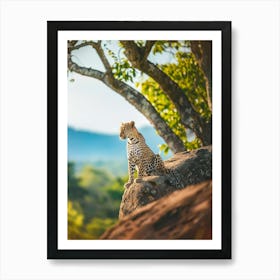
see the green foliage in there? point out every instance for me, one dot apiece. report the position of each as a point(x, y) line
point(74, 188)
point(92, 178)
point(123, 71)
point(140, 43)
point(94, 198)
point(170, 46)
point(96, 227)
point(151, 90)
point(121, 67)
point(188, 75)
point(164, 148)
point(75, 222)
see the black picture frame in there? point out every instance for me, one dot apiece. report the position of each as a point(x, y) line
point(53, 27)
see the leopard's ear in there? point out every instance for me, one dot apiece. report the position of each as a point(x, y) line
point(132, 123)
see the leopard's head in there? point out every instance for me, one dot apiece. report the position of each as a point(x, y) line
point(126, 129)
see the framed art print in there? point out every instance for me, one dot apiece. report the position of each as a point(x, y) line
point(139, 140)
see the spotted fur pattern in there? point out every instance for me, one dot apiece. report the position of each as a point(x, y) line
point(139, 155)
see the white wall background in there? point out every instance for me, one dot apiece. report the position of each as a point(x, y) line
point(255, 188)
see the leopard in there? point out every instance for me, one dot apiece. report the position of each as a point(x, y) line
point(140, 156)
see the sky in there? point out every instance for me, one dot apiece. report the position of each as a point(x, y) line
point(92, 105)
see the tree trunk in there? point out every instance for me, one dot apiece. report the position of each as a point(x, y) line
point(202, 51)
point(189, 117)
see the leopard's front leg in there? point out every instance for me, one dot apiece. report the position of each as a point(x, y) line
point(131, 170)
point(141, 174)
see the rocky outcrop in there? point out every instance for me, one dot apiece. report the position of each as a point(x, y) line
point(186, 168)
point(183, 214)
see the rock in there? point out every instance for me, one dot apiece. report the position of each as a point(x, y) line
point(186, 168)
point(183, 214)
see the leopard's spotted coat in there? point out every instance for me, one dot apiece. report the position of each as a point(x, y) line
point(139, 155)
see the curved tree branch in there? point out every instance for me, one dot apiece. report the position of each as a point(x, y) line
point(97, 47)
point(88, 72)
point(103, 58)
point(149, 45)
point(137, 100)
point(72, 45)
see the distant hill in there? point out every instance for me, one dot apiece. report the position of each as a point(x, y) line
point(104, 150)
point(91, 146)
